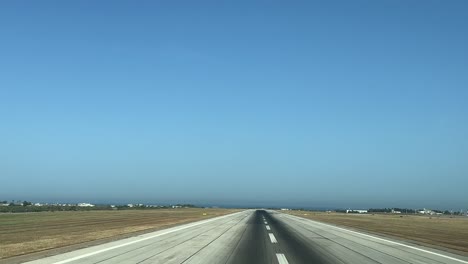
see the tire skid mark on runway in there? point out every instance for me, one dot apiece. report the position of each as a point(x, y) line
point(254, 247)
point(237, 245)
point(279, 256)
point(297, 246)
point(362, 246)
point(361, 235)
point(377, 242)
point(350, 249)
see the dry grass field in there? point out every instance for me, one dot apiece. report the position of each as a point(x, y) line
point(24, 233)
point(436, 231)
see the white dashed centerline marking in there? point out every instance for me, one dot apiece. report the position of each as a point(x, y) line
point(282, 259)
point(273, 238)
point(268, 227)
point(266, 223)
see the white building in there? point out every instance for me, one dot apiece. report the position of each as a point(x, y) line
point(85, 205)
point(359, 211)
point(426, 211)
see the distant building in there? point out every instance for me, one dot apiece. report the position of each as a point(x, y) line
point(85, 205)
point(426, 211)
point(359, 211)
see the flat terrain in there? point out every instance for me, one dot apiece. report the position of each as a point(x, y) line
point(436, 231)
point(24, 233)
point(254, 237)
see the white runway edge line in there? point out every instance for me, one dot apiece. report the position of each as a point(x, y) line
point(389, 241)
point(146, 238)
point(268, 227)
point(282, 259)
point(273, 238)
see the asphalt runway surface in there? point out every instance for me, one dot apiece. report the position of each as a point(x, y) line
point(255, 236)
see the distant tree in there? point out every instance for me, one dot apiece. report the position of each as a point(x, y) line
point(26, 203)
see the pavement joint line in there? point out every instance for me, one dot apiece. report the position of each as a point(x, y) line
point(273, 238)
point(145, 238)
point(268, 228)
point(390, 241)
point(281, 258)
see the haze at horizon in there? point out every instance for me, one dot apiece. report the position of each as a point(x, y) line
point(334, 104)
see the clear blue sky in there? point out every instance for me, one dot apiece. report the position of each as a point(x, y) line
point(332, 103)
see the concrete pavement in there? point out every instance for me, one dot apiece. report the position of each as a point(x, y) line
point(255, 236)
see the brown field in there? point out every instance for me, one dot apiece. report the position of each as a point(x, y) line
point(437, 231)
point(24, 233)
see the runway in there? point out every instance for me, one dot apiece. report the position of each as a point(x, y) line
point(255, 236)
